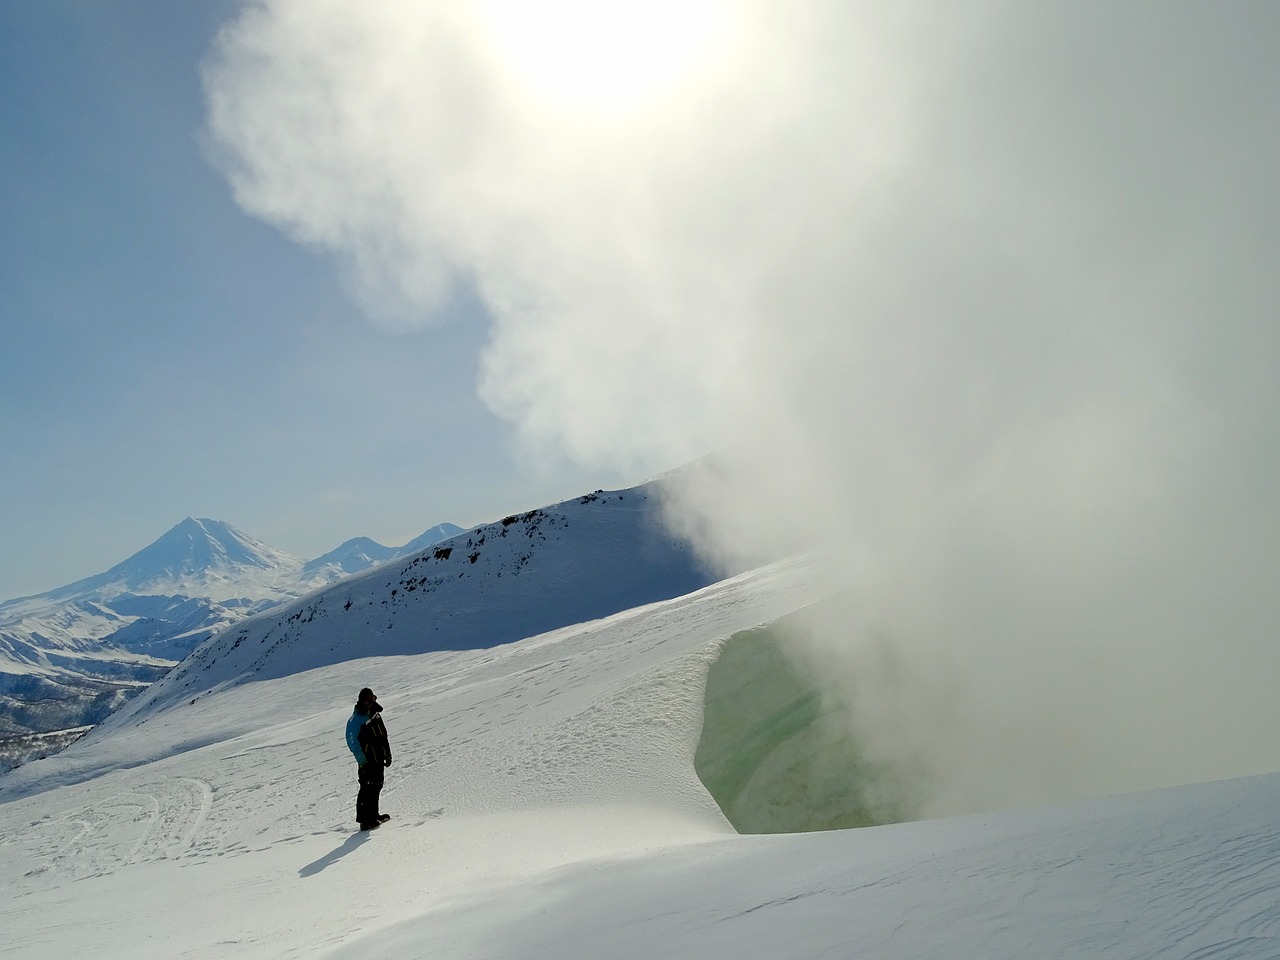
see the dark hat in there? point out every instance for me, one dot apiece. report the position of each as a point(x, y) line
point(367, 694)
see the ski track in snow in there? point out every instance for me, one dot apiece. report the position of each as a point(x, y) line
point(154, 819)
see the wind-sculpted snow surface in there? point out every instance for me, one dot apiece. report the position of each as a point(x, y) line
point(545, 806)
point(1192, 873)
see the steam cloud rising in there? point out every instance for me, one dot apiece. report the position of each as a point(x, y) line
point(983, 301)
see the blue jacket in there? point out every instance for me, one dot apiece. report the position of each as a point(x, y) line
point(357, 721)
point(367, 737)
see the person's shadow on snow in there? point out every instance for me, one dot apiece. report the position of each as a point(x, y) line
point(315, 866)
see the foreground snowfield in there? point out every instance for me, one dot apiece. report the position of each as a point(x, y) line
point(545, 805)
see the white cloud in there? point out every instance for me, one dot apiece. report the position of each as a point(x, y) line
point(983, 299)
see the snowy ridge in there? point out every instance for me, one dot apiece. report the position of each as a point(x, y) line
point(523, 575)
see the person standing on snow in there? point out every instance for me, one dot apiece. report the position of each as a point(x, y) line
point(367, 738)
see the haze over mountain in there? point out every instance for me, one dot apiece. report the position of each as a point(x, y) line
point(71, 655)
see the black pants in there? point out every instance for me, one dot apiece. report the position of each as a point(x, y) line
point(367, 798)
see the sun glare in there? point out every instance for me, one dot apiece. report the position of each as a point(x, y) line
point(598, 53)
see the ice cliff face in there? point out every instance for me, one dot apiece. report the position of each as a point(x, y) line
point(779, 750)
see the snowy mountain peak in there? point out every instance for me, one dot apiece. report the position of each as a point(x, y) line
point(438, 533)
point(197, 557)
point(195, 545)
point(361, 553)
point(356, 554)
point(198, 548)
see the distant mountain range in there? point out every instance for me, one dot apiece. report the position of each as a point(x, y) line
point(72, 655)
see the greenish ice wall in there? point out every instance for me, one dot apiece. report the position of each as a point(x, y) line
point(779, 751)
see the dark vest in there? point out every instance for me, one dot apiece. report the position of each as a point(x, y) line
point(373, 740)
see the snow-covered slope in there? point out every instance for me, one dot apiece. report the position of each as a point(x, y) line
point(545, 805)
point(526, 574)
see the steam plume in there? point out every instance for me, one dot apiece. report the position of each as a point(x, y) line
point(984, 303)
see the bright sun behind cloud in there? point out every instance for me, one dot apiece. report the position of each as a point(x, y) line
point(593, 54)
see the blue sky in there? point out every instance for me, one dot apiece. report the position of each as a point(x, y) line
point(167, 355)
